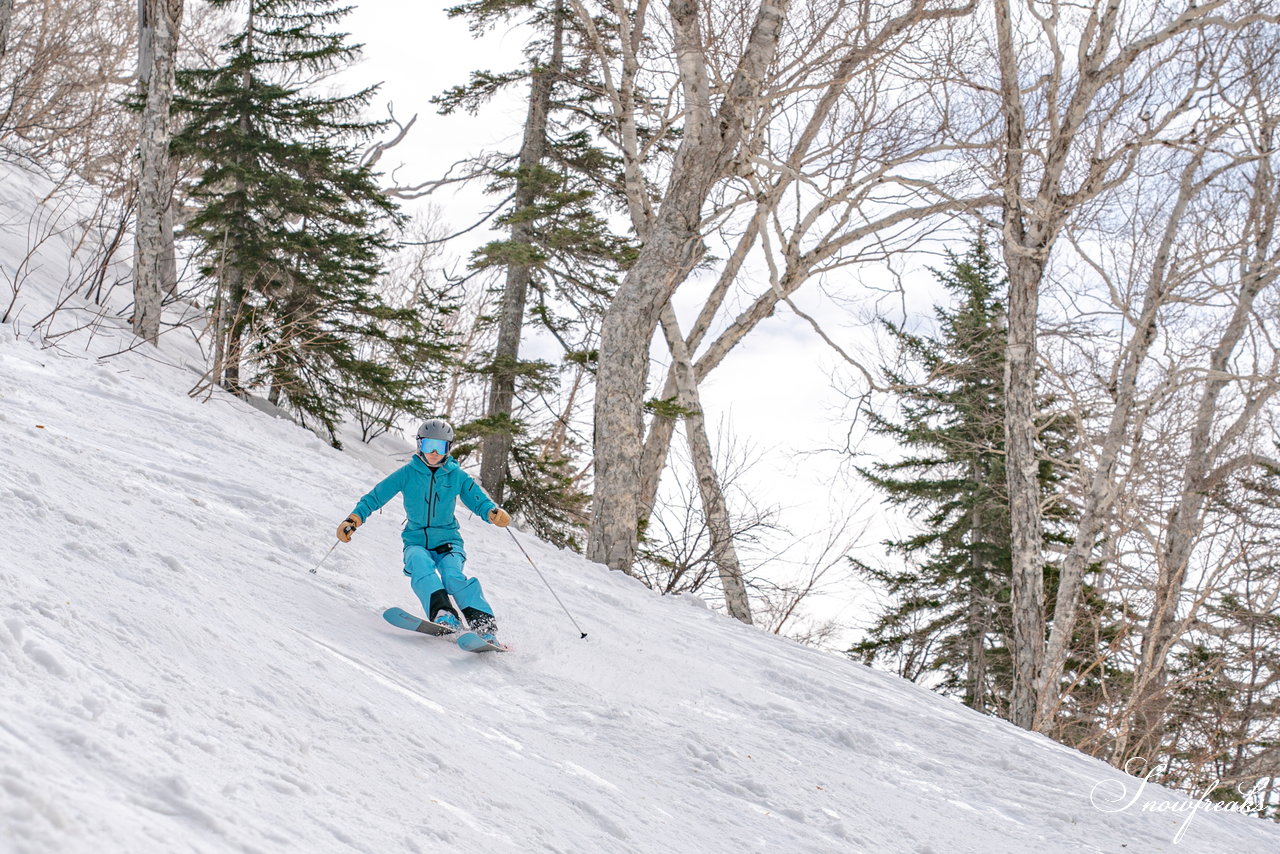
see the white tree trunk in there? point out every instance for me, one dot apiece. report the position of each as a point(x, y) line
point(1103, 487)
point(661, 428)
point(1201, 476)
point(1022, 467)
point(6, 18)
point(1039, 196)
point(161, 20)
point(672, 247)
point(714, 505)
point(1025, 256)
point(169, 258)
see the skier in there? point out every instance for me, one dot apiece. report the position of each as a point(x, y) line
point(433, 548)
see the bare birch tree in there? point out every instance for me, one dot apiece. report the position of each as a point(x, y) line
point(1134, 382)
point(160, 22)
point(1231, 397)
point(713, 135)
point(65, 68)
point(1169, 423)
point(713, 500)
point(721, 141)
point(6, 18)
point(1082, 92)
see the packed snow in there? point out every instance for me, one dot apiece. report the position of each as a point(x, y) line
point(175, 678)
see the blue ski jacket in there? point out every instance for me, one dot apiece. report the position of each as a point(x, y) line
point(429, 500)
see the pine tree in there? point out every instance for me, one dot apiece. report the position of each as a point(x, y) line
point(1223, 722)
point(559, 261)
point(949, 616)
point(289, 225)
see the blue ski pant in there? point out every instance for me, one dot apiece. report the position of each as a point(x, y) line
point(429, 572)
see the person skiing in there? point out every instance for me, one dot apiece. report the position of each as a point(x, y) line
point(433, 549)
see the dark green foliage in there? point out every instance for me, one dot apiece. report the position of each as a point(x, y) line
point(949, 617)
point(547, 493)
point(289, 225)
point(533, 374)
point(585, 358)
point(666, 407)
point(484, 14)
point(559, 262)
point(473, 95)
point(543, 487)
point(573, 258)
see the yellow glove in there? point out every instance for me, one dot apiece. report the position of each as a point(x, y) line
point(348, 527)
point(500, 517)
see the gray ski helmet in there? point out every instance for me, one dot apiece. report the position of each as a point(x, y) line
point(436, 428)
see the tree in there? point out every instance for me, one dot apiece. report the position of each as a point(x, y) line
point(6, 20)
point(160, 25)
point(815, 187)
point(289, 225)
point(710, 488)
point(1234, 392)
point(730, 79)
point(64, 71)
point(711, 140)
point(950, 607)
point(558, 249)
point(1154, 249)
point(1082, 95)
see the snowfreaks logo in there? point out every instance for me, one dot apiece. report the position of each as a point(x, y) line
point(1113, 796)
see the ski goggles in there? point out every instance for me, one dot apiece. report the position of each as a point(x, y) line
point(433, 446)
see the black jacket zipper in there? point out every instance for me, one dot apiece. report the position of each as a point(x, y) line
point(431, 497)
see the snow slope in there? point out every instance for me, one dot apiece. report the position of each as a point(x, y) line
point(173, 678)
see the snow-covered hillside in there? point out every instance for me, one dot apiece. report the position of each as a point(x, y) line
point(175, 679)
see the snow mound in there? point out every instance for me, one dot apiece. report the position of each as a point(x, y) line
point(176, 679)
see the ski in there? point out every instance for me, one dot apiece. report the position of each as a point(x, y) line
point(402, 619)
point(472, 642)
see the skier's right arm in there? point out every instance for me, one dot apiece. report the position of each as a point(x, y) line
point(388, 488)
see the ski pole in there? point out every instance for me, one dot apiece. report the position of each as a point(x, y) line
point(326, 556)
point(544, 581)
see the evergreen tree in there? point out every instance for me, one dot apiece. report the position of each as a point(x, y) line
point(1224, 714)
point(949, 614)
point(558, 262)
point(289, 225)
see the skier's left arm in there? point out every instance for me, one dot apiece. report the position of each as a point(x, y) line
point(475, 498)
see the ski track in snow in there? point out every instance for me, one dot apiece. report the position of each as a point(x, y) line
point(174, 679)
